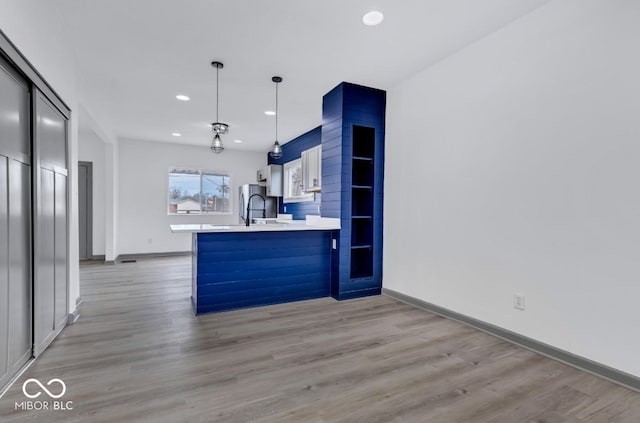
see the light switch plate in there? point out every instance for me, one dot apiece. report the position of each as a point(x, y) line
point(518, 301)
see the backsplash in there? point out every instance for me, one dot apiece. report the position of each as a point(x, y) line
point(301, 210)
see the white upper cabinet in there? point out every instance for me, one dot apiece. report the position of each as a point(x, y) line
point(312, 169)
point(271, 177)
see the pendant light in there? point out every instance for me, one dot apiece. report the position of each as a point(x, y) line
point(276, 150)
point(218, 127)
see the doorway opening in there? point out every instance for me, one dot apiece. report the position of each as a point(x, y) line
point(85, 209)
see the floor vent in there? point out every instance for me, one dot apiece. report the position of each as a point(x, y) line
point(128, 261)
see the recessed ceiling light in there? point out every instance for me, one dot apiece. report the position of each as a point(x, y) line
point(270, 113)
point(372, 18)
point(238, 141)
point(182, 97)
point(176, 134)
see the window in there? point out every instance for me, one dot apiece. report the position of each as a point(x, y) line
point(293, 183)
point(199, 192)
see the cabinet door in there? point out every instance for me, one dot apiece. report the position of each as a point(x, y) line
point(304, 156)
point(312, 168)
point(273, 177)
point(318, 164)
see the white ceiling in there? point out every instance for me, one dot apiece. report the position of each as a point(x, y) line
point(133, 57)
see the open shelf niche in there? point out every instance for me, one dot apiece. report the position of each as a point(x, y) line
point(362, 177)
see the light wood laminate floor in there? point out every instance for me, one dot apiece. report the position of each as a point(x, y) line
point(137, 353)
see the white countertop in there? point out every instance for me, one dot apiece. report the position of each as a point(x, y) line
point(313, 223)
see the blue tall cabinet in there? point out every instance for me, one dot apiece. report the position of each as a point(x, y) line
point(352, 138)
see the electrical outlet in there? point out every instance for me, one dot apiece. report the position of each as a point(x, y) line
point(334, 244)
point(518, 301)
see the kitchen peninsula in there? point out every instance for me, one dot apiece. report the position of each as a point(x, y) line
point(240, 266)
point(339, 254)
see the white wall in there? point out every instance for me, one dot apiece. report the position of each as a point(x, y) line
point(512, 167)
point(32, 27)
point(92, 149)
point(112, 199)
point(102, 147)
point(143, 222)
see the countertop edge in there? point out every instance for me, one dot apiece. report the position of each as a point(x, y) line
point(255, 228)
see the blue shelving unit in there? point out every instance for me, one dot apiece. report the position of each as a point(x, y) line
point(352, 137)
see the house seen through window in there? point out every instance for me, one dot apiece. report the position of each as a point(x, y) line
point(199, 192)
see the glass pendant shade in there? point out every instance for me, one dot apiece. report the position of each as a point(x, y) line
point(276, 151)
point(216, 144)
point(218, 127)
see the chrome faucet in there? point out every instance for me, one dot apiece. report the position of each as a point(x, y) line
point(264, 208)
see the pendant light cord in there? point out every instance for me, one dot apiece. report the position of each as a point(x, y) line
point(217, 93)
point(277, 111)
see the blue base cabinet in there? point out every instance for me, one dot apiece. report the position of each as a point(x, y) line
point(352, 186)
point(233, 270)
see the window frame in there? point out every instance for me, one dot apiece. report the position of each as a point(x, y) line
point(200, 173)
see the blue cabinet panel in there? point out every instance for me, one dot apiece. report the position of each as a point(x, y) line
point(330, 179)
point(352, 110)
point(332, 137)
point(349, 295)
point(359, 284)
point(282, 282)
point(332, 105)
point(237, 270)
point(333, 156)
point(267, 300)
point(331, 168)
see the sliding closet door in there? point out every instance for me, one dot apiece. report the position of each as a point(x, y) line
point(60, 310)
point(20, 263)
point(51, 239)
point(15, 222)
point(4, 267)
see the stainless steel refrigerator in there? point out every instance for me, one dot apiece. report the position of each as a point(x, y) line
point(269, 206)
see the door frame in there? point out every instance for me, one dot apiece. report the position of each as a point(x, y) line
point(89, 207)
